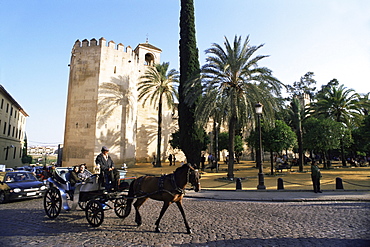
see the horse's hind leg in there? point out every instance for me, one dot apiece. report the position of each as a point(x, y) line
point(137, 205)
point(163, 210)
point(179, 205)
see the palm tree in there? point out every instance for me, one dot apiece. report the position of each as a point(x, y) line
point(365, 103)
point(156, 85)
point(340, 104)
point(233, 81)
point(297, 114)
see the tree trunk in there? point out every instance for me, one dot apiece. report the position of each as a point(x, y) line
point(344, 163)
point(230, 167)
point(300, 147)
point(272, 162)
point(159, 133)
point(216, 144)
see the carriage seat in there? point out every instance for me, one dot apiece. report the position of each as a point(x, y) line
point(60, 177)
point(91, 184)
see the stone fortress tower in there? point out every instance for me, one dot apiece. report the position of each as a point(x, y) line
point(103, 108)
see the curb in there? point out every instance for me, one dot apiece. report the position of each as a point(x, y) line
point(284, 196)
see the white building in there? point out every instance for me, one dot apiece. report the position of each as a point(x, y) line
point(12, 130)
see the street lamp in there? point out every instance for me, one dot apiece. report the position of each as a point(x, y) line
point(261, 179)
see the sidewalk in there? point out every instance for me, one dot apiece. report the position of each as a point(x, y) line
point(281, 196)
point(297, 185)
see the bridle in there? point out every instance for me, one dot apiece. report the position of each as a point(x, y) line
point(192, 176)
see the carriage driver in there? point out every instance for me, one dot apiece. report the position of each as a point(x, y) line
point(109, 173)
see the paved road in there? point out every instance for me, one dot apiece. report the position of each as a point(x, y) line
point(214, 223)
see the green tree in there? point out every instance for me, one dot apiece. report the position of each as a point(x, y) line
point(297, 114)
point(175, 141)
point(297, 111)
point(278, 138)
point(306, 85)
point(156, 85)
point(361, 137)
point(340, 104)
point(234, 82)
point(321, 135)
point(223, 142)
point(275, 138)
point(26, 159)
point(365, 103)
point(191, 135)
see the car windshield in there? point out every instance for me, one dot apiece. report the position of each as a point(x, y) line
point(18, 176)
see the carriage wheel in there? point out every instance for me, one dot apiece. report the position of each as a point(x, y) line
point(120, 207)
point(94, 213)
point(82, 205)
point(52, 202)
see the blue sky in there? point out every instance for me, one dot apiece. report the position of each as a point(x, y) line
point(330, 38)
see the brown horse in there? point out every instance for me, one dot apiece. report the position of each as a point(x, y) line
point(168, 188)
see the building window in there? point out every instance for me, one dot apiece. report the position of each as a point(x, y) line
point(149, 59)
point(10, 126)
point(4, 128)
point(15, 151)
point(13, 131)
point(6, 153)
point(2, 103)
point(11, 111)
point(7, 107)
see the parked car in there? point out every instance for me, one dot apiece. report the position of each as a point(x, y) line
point(20, 185)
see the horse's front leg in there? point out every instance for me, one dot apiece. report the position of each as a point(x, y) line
point(163, 210)
point(179, 205)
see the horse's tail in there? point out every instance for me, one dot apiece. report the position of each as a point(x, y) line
point(130, 199)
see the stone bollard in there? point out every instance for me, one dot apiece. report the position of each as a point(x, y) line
point(238, 184)
point(280, 184)
point(339, 184)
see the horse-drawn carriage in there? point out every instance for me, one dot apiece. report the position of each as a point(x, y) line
point(89, 195)
point(92, 197)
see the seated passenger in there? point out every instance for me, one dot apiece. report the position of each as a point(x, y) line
point(73, 178)
point(83, 173)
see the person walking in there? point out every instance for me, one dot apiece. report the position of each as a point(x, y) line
point(202, 161)
point(316, 176)
point(170, 159)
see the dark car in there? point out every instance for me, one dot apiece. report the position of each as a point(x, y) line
point(20, 185)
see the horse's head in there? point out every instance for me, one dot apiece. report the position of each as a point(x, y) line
point(194, 178)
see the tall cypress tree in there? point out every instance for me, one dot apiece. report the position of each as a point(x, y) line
point(191, 137)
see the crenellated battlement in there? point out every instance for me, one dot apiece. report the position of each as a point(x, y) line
point(102, 43)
